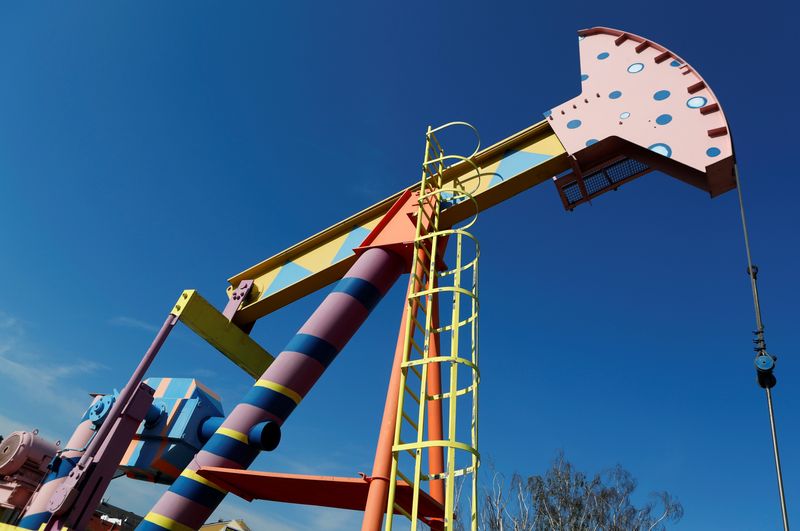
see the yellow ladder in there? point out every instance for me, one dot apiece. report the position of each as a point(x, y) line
point(440, 359)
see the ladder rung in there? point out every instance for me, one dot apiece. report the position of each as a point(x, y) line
point(432, 136)
point(423, 477)
point(410, 421)
point(428, 170)
point(402, 511)
point(418, 325)
point(406, 450)
point(417, 347)
point(424, 249)
point(420, 281)
point(412, 393)
point(430, 219)
point(419, 296)
point(415, 371)
point(403, 476)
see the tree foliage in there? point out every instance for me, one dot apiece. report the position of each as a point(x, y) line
point(565, 499)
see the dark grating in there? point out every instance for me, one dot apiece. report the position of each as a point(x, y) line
point(572, 192)
point(602, 180)
point(624, 169)
point(596, 182)
point(607, 177)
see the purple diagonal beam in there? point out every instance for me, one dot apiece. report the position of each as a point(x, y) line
point(191, 499)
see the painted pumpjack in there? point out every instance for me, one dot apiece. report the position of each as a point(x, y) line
point(642, 108)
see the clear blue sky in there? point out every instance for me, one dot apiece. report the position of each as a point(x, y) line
point(146, 148)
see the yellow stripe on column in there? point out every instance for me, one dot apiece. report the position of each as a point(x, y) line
point(233, 434)
point(194, 476)
point(282, 389)
point(167, 523)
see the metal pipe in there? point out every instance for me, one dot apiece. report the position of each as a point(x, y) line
point(753, 286)
point(761, 345)
point(435, 425)
point(378, 492)
point(784, 513)
point(130, 388)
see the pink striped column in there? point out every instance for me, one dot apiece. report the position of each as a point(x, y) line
point(191, 499)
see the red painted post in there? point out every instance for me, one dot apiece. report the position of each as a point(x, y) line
point(435, 430)
point(378, 494)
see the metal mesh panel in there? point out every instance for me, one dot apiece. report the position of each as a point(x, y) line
point(572, 192)
point(624, 169)
point(596, 182)
point(602, 180)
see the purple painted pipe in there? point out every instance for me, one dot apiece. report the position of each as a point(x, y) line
point(69, 495)
point(191, 499)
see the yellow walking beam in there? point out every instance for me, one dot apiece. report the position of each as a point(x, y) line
point(510, 166)
point(613, 132)
point(207, 322)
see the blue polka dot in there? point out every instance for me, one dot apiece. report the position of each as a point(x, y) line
point(614, 95)
point(661, 149)
point(625, 115)
point(713, 152)
point(603, 55)
point(696, 102)
point(584, 77)
point(664, 119)
point(591, 141)
point(547, 114)
point(675, 63)
point(573, 124)
point(635, 68)
point(661, 95)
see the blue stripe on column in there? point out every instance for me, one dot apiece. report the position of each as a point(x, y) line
point(196, 491)
point(34, 521)
point(274, 402)
point(361, 290)
point(146, 525)
point(312, 346)
point(229, 448)
point(62, 469)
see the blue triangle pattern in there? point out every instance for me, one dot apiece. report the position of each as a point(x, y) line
point(288, 275)
point(514, 163)
point(353, 240)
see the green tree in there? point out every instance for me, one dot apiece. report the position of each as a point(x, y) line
point(565, 499)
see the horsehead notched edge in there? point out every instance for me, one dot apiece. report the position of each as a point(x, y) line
point(641, 108)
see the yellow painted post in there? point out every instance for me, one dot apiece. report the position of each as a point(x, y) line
point(207, 322)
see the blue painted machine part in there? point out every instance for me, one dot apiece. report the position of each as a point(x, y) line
point(100, 409)
point(172, 432)
point(765, 362)
point(265, 435)
point(154, 414)
point(209, 426)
